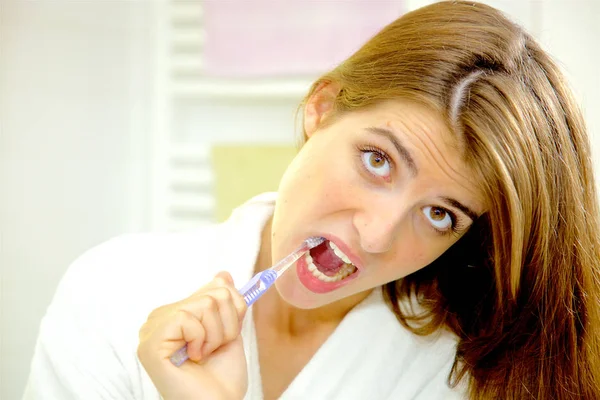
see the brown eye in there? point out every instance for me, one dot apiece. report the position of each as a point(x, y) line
point(376, 160)
point(376, 163)
point(437, 214)
point(439, 218)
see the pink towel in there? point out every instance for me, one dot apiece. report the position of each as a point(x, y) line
point(253, 38)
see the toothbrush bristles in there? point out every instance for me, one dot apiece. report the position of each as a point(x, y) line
point(314, 241)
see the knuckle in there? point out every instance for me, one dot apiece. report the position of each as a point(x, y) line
point(181, 315)
point(239, 303)
point(209, 302)
point(159, 311)
point(239, 299)
point(220, 281)
point(223, 293)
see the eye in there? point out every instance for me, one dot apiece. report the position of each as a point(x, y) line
point(441, 219)
point(376, 163)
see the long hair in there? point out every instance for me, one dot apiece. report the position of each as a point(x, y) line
point(521, 290)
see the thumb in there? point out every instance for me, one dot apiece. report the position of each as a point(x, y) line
point(224, 277)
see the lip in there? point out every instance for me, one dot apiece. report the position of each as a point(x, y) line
point(316, 285)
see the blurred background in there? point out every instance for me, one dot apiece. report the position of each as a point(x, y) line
point(122, 116)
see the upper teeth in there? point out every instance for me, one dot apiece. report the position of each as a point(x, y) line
point(339, 253)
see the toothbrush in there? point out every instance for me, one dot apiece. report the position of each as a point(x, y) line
point(259, 284)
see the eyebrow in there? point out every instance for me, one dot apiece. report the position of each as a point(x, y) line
point(402, 150)
point(455, 203)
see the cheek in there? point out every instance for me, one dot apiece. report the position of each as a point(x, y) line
point(305, 170)
point(422, 258)
point(409, 258)
point(317, 178)
point(337, 191)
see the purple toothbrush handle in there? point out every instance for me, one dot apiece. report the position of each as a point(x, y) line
point(180, 356)
point(253, 289)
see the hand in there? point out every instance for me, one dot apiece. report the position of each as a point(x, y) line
point(209, 322)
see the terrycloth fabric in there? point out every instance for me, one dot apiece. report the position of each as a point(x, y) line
point(89, 335)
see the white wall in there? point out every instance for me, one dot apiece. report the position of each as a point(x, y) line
point(76, 112)
point(570, 31)
point(73, 78)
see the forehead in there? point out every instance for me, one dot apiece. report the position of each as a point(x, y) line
point(412, 118)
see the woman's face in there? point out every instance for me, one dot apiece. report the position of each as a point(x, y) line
point(387, 186)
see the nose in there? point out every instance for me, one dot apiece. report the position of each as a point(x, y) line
point(378, 226)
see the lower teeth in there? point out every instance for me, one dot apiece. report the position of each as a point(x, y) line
point(344, 272)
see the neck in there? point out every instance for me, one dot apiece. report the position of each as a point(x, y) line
point(286, 319)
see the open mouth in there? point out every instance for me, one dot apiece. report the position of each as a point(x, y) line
point(328, 263)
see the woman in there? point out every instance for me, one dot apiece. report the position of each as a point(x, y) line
point(448, 167)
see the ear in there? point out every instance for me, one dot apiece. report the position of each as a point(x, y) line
point(319, 106)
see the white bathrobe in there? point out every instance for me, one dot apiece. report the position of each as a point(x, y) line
point(88, 338)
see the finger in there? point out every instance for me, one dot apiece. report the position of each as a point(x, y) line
point(210, 319)
point(222, 278)
point(239, 303)
point(171, 334)
point(154, 319)
point(194, 334)
point(217, 312)
point(227, 311)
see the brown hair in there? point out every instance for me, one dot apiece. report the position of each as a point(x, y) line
point(527, 317)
